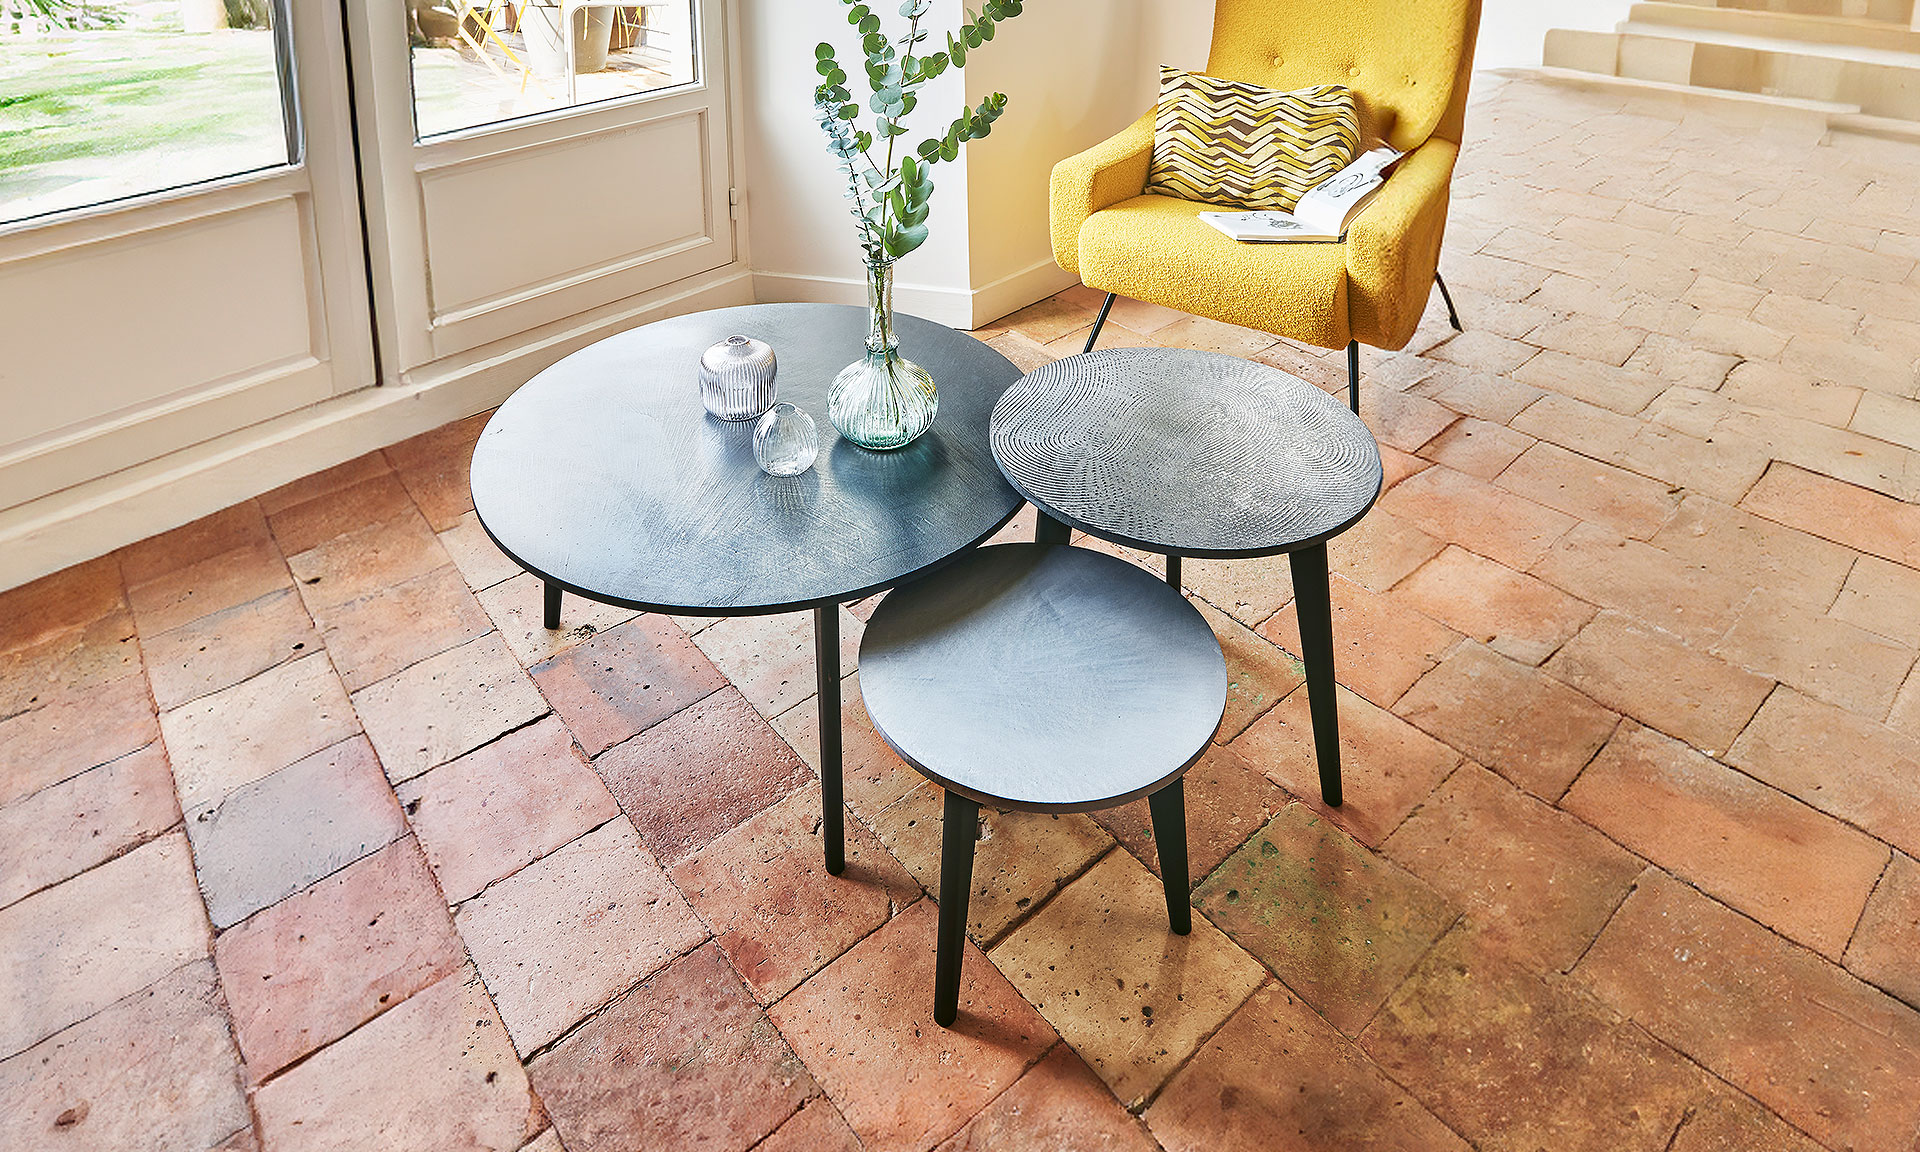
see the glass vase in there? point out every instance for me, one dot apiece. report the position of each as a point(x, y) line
point(882, 401)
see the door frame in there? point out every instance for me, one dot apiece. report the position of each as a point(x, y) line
point(418, 339)
point(319, 182)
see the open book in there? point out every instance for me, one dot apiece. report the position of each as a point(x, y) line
point(1322, 214)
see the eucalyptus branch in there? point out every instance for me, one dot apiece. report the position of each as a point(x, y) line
point(891, 203)
point(917, 10)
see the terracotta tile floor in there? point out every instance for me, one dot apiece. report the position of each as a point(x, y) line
point(312, 838)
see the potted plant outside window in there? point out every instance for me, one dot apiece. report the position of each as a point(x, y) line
point(544, 24)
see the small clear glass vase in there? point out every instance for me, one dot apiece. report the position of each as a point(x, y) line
point(884, 400)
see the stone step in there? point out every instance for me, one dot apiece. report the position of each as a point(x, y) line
point(1863, 125)
point(1794, 26)
point(1582, 77)
point(1885, 11)
point(1879, 55)
point(1877, 81)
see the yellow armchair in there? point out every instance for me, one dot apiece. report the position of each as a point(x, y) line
point(1408, 63)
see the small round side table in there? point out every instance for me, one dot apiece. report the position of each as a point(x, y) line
point(1191, 453)
point(1045, 678)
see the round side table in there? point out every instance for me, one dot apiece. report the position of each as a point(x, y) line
point(1046, 678)
point(1190, 453)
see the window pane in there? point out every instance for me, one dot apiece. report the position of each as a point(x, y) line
point(478, 62)
point(101, 100)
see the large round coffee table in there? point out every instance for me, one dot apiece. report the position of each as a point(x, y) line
point(1189, 453)
point(605, 477)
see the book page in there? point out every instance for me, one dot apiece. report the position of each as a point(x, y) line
point(1263, 225)
point(1276, 223)
point(1329, 205)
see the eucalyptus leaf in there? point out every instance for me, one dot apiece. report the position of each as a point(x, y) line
point(891, 202)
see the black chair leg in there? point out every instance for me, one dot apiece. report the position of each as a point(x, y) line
point(1173, 571)
point(1316, 648)
point(959, 828)
point(1353, 376)
point(826, 664)
point(552, 615)
point(1106, 306)
point(1169, 808)
point(1453, 317)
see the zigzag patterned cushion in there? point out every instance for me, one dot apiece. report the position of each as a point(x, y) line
point(1244, 146)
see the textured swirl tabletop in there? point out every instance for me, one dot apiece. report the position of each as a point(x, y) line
point(605, 474)
point(962, 674)
point(1171, 450)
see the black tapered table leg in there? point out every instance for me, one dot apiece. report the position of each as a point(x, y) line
point(959, 828)
point(1316, 648)
point(1173, 570)
point(1051, 531)
point(1353, 376)
point(1169, 808)
point(552, 616)
point(826, 664)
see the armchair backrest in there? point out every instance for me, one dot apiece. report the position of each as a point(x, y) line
point(1407, 61)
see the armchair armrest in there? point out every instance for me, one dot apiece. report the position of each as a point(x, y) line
point(1107, 173)
point(1393, 248)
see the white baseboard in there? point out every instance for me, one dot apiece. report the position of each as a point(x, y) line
point(98, 516)
point(955, 307)
point(950, 306)
point(1015, 291)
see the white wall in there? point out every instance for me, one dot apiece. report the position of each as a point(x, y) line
point(1512, 31)
point(805, 245)
point(1075, 72)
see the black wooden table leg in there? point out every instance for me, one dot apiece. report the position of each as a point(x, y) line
point(1169, 808)
point(1051, 531)
point(1316, 644)
point(959, 828)
point(1173, 570)
point(826, 663)
point(552, 619)
point(1353, 376)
